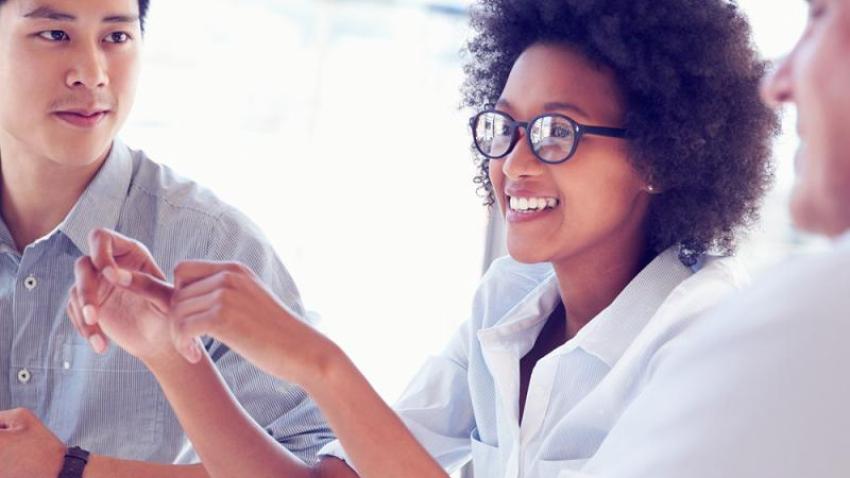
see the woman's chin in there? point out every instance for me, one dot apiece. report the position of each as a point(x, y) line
point(527, 255)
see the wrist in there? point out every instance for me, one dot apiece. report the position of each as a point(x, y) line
point(324, 369)
point(165, 361)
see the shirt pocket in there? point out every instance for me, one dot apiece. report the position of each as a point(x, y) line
point(486, 459)
point(110, 404)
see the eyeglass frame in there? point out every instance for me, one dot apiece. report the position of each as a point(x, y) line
point(579, 130)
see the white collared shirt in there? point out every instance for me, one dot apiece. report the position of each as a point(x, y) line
point(465, 402)
point(760, 387)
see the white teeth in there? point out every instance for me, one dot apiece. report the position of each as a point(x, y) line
point(532, 204)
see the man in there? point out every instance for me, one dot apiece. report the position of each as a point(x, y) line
point(761, 387)
point(68, 71)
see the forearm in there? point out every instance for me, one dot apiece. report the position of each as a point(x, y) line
point(229, 442)
point(375, 439)
point(106, 467)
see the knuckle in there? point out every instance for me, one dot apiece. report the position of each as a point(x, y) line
point(179, 270)
point(80, 267)
point(226, 278)
point(236, 267)
point(217, 317)
point(219, 296)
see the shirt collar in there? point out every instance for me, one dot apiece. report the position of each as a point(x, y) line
point(101, 203)
point(611, 332)
point(518, 329)
point(608, 334)
point(7, 243)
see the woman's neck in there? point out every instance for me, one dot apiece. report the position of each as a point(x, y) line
point(590, 280)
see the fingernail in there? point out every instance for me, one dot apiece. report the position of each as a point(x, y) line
point(118, 276)
point(97, 343)
point(89, 314)
point(193, 352)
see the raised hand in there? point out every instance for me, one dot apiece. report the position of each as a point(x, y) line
point(101, 311)
point(228, 302)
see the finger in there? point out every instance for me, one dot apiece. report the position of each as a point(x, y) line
point(75, 314)
point(10, 419)
point(222, 280)
point(192, 350)
point(90, 289)
point(92, 333)
point(189, 272)
point(191, 305)
point(116, 250)
point(184, 316)
point(17, 419)
point(156, 291)
point(185, 332)
point(100, 248)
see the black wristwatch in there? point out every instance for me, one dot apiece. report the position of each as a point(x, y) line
point(75, 462)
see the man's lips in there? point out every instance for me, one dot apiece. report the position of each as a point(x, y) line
point(82, 118)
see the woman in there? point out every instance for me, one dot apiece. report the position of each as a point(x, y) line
point(622, 140)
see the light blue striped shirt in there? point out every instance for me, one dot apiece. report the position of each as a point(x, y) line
point(111, 404)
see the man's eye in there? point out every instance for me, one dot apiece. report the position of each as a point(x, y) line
point(54, 35)
point(118, 37)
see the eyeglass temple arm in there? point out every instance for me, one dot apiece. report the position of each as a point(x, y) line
point(602, 131)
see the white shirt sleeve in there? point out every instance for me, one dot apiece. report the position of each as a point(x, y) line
point(436, 406)
point(760, 388)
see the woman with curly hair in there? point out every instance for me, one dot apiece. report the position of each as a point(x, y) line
point(622, 140)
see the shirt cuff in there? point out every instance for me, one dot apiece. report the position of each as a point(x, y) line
point(336, 450)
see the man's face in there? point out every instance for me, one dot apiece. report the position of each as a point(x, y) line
point(816, 78)
point(68, 71)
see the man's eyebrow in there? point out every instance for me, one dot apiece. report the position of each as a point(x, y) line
point(49, 13)
point(121, 19)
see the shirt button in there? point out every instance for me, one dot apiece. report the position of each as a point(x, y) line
point(24, 376)
point(30, 282)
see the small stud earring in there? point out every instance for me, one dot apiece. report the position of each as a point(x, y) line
point(650, 189)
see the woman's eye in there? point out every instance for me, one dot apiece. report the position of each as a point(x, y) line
point(118, 37)
point(54, 35)
point(559, 132)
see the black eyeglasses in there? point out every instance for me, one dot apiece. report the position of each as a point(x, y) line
point(553, 137)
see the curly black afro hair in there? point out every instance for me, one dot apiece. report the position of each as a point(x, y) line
point(697, 128)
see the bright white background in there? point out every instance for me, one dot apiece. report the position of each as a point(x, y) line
point(335, 126)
